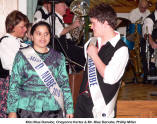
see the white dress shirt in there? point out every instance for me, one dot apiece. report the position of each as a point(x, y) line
point(38, 16)
point(148, 23)
point(9, 46)
point(59, 27)
point(116, 67)
point(135, 15)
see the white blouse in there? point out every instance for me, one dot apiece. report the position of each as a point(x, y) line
point(9, 46)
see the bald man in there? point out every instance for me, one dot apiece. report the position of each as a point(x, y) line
point(140, 11)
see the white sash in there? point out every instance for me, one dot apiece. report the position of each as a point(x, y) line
point(45, 75)
point(100, 109)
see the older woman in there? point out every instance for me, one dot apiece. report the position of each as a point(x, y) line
point(10, 43)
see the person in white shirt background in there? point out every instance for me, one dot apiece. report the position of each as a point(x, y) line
point(138, 16)
point(16, 27)
point(149, 31)
point(44, 12)
point(62, 30)
point(141, 11)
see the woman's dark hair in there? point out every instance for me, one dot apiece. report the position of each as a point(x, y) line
point(104, 12)
point(13, 19)
point(40, 23)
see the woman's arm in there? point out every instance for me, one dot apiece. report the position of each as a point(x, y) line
point(15, 81)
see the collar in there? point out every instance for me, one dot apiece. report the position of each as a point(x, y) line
point(45, 10)
point(61, 17)
point(11, 36)
point(113, 41)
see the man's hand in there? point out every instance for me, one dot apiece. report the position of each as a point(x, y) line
point(152, 42)
point(76, 23)
point(92, 50)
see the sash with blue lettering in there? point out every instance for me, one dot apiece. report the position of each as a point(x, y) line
point(45, 75)
point(100, 109)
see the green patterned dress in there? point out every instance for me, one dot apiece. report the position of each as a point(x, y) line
point(28, 92)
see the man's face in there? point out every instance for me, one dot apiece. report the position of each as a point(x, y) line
point(97, 27)
point(48, 6)
point(143, 7)
point(61, 8)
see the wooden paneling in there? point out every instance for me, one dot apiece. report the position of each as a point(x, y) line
point(6, 7)
point(75, 81)
point(134, 100)
point(137, 109)
point(123, 6)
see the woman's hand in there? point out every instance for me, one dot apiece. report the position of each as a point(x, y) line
point(12, 115)
point(69, 115)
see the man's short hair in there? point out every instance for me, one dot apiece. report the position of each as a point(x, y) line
point(104, 12)
point(60, 1)
point(41, 2)
point(13, 19)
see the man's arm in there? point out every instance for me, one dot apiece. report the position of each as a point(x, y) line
point(70, 27)
point(152, 42)
point(112, 72)
point(147, 30)
point(93, 53)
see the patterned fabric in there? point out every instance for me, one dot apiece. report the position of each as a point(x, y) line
point(4, 86)
point(28, 92)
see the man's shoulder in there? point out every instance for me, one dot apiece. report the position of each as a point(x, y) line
point(134, 10)
point(147, 10)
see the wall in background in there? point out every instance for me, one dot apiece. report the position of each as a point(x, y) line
point(22, 6)
point(122, 30)
point(6, 7)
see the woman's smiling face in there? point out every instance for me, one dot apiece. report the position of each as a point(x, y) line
point(41, 36)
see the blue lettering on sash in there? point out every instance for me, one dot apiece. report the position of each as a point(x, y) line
point(32, 58)
point(51, 83)
point(93, 84)
point(39, 66)
point(90, 60)
point(56, 92)
point(92, 79)
point(92, 69)
point(45, 74)
point(90, 63)
point(92, 73)
point(48, 79)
